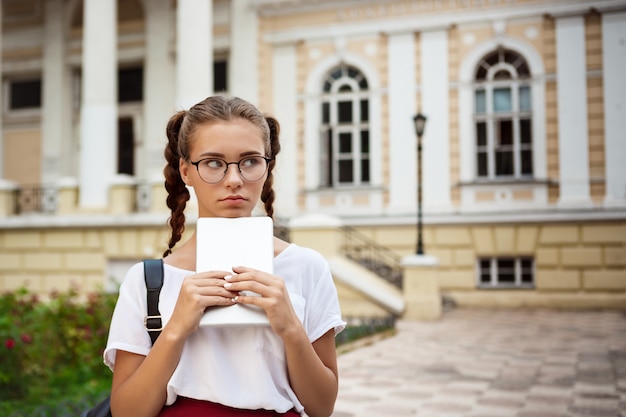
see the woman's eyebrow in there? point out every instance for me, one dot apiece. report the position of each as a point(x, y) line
point(221, 155)
point(211, 154)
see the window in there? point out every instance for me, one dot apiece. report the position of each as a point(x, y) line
point(503, 117)
point(220, 76)
point(25, 94)
point(130, 85)
point(345, 136)
point(506, 272)
point(125, 146)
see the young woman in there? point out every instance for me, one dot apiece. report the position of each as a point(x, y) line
point(225, 149)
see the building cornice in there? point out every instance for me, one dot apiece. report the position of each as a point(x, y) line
point(429, 20)
point(539, 216)
point(546, 216)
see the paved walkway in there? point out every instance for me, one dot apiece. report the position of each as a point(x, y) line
point(491, 363)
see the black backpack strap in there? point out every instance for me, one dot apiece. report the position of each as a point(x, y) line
point(153, 274)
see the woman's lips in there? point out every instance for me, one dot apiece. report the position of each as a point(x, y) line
point(234, 199)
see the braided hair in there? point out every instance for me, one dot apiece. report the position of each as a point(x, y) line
point(180, 130)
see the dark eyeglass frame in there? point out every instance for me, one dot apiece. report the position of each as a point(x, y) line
point(198, 162)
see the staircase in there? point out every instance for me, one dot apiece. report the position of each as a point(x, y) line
point(370, 269)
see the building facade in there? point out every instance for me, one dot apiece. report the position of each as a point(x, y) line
point(524, 180)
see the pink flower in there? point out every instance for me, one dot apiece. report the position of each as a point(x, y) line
point(10, 343)
point(26, 338)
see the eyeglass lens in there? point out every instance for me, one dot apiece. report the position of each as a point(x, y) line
point(213, 170)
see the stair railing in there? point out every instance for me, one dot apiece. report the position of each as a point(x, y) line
point(378, 259)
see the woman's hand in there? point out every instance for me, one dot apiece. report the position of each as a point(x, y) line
point(273, 297)
point(312, 367)
point(198, 292)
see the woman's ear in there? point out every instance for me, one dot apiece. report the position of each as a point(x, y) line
point(183, 168)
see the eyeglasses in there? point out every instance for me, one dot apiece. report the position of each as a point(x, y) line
point(213, 170)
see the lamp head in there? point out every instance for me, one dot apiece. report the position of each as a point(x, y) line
point(420, 121)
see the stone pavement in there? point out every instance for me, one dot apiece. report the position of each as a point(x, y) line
point(491, 363)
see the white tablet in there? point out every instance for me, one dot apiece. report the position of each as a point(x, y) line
point(222, 243)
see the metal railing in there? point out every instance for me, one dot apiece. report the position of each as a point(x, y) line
point(35, 199)
point(378, 259)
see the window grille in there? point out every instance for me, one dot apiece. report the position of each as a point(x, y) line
point(503, 117)
point(345, 134)
point(506, 272)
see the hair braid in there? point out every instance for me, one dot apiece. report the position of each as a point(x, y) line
point(268, 195)
point(177, 193)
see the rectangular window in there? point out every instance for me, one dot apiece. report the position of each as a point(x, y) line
point(506, 272)
point(524, 99)
point(345, 143)
point(526, 148)
point(504, 163)
point(346, 174)
point(365, 111)
point(344, 110)
point(480, 102)
point(484, 271)
point(365, 171)
point(525, 131)
point(502, 100)
point(481, 134)
point(365, 141)
point(130, 85)
point(125, 147)
point(527, 162)
point(220, 76)
point(527, 270)
point(25, 94)
point(482, 160)
point(504, 157)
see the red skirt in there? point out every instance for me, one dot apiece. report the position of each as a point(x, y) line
point(188, 407)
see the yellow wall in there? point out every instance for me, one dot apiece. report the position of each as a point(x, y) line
point(22, 156)
point(577, 265)
point(44, 260)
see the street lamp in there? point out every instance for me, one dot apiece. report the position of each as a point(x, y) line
point(420, 121)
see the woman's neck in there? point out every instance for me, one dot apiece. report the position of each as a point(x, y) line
point(184, 257)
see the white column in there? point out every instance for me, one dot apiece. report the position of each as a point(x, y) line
point(194, 52)
point(98, 130)
point(56, 116)
point(285, 110)
point(158, 89)
point(572, 111)
point(402, 108)
point(435, 105)
point(243, 63)
point(614, 62)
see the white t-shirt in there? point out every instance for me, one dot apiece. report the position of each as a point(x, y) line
point(241, 367)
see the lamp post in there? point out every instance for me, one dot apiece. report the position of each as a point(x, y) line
point(420, 121)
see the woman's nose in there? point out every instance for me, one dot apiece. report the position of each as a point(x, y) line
point(233, 176)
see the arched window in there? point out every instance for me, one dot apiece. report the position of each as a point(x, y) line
point(345, 135)
point(503, 117)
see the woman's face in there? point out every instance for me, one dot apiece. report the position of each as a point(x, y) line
point(230, 141)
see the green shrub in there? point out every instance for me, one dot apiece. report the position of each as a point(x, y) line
point(52, 352)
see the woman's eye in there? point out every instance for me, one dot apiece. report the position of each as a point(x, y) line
point(249, 162)
point(214, 163)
